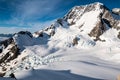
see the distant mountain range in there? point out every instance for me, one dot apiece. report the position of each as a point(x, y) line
point(6, 35)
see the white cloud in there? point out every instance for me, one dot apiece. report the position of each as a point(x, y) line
point(32, 27)
point(28, 13)
point(8, 30)
point(36, 8)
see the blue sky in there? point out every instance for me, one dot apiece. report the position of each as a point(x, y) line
point(16, 15)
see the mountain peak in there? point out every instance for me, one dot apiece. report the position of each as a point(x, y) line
point(92, 4)
point(98, 3)
point(76, 12)
point(92, 19)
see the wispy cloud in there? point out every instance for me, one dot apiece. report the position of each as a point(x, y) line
point(31, 27)
point(36, 9)
point(32, 15)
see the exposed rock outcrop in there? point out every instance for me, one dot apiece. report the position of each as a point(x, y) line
point(12, 53)
point(49, 31)
point(25, 32)
point(116, 11)
point(75, 41)
point(6, 42)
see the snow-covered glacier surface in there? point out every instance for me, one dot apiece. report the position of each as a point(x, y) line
point(80, 46)
point(68, 64)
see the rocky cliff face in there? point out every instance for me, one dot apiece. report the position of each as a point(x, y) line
point(9, 52)
point(11, 49)
point(105, 18)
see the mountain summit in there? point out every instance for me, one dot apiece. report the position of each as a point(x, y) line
point(83, 27)
point(93, 19)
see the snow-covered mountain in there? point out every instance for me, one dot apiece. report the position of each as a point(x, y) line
point(88, 35)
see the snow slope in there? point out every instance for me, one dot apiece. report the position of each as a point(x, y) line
point(73, 64)
point(82, 45)
point(53, 75)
